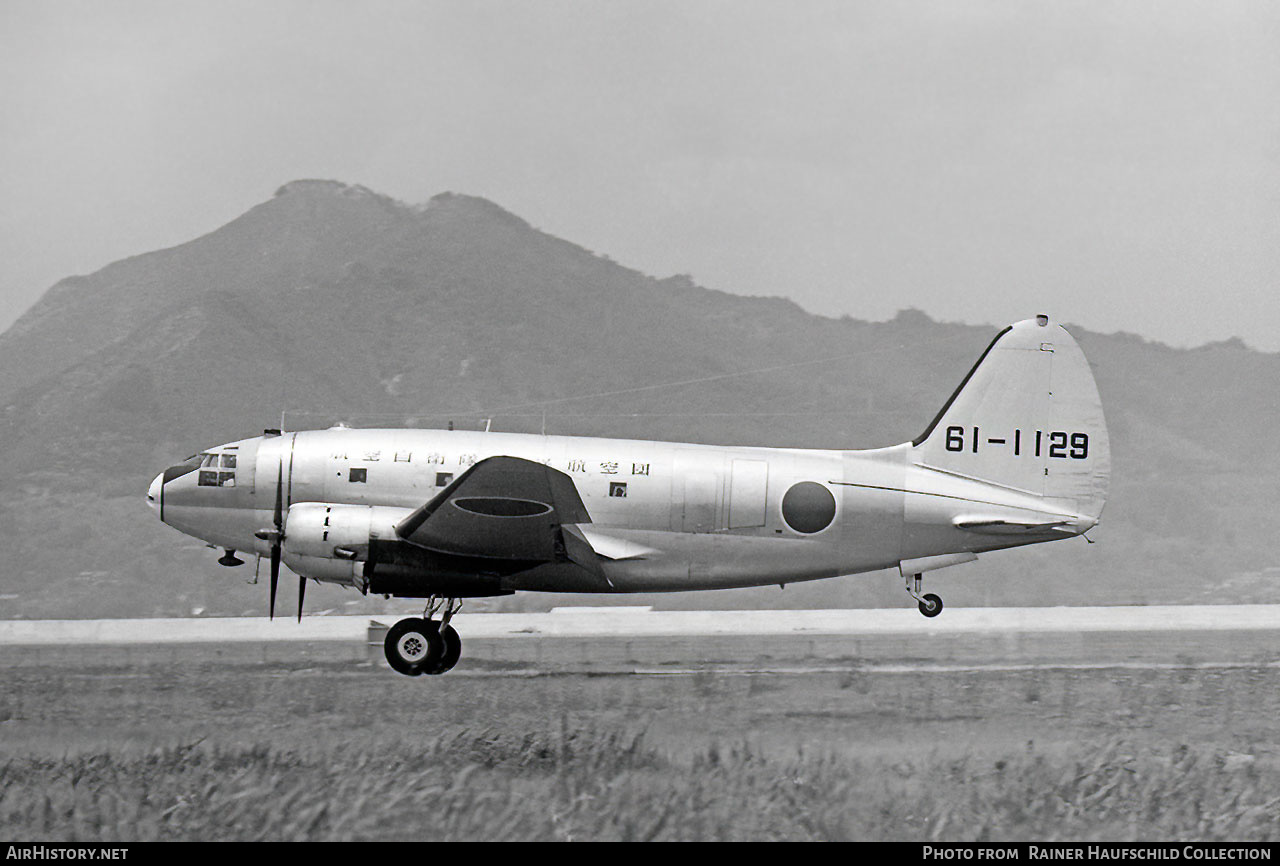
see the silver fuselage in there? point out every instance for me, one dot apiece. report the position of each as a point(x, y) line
point(686, 517)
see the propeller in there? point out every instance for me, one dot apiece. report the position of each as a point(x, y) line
point(276, 536)
point(277, 520)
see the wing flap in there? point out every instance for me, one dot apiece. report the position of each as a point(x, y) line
point(613, 547)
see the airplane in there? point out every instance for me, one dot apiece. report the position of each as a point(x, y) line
point(1018, 455)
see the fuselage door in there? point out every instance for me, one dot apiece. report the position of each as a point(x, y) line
point(747, 493)
point(697, 482)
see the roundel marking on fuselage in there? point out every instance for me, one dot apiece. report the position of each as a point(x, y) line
point(808, 507)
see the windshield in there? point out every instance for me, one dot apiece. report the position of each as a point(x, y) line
point(217, 470)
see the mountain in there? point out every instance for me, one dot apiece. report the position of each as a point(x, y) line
point(330, 302)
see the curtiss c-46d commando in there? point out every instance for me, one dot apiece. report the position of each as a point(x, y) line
point(1018, 455)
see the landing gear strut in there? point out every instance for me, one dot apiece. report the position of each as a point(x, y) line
point(421, 645)
point(930, 605)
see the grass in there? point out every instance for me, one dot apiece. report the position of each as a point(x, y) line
point(605, 785)
point(342, 753)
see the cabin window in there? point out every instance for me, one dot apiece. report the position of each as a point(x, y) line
point(444, 479)
point(618, 489)
point(358, 476)
point(217, 470)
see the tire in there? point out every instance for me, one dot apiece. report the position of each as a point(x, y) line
point(449, 657)
point(412, 645)
point(930, 605)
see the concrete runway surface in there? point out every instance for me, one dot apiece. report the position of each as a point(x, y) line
point(645, 622)
point(633, 640)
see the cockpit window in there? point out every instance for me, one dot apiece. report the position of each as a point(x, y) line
point(217, 470)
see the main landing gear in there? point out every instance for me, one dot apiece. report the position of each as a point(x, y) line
point(930, 604)
point(420, 645)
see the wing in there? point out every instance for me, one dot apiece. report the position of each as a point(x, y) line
point(501, 508)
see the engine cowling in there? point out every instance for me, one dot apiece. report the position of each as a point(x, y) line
point(331, 542)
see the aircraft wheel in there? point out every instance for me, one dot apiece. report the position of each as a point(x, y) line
point(412, 645)
point(452, 652)
point(930, 604)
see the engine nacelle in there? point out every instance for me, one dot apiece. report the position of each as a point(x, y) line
point(331, 542)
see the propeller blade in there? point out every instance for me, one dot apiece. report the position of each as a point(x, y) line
point(275, 578)
point(278, 519)
point(302, 592)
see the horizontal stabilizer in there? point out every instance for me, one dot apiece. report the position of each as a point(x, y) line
point(1004, 526)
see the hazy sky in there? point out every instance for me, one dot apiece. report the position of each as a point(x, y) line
point(1115, 164)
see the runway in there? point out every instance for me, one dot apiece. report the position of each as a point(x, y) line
point(603, 622)
point(631, 640)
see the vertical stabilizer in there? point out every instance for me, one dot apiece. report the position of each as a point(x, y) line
point(1027, 417)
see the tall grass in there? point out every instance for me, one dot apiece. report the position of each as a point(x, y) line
point(583, 783)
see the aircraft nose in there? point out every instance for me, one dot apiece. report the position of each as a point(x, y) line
point(153, 493)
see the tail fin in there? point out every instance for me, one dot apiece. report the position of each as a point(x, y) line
point(1027, 417)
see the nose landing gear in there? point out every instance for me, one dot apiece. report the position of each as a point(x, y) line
point(420, 645)
point(930, 605)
